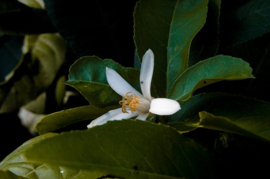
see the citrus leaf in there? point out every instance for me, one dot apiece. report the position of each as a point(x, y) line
point(88, 76)
point(64, 118)
point(10, 53)
point(168, 29)
point(126, 149)
point(16, 164)
point(225, 112)
point(8, 175)
point(258, 128)
point(209, 71)
point(42, 57)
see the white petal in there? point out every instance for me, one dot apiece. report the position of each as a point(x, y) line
point(146, 74)
point(164, 106)
point(115, 114)
point(142, 116)
point(118, 84)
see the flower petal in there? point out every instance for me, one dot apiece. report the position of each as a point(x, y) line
point(115, 114)
point(142, 116)
point(164, 106)
point(146, 74)
point(118, 84)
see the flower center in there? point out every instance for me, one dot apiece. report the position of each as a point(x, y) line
point(130, 100)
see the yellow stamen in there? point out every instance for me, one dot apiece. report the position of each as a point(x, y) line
point(129, 100)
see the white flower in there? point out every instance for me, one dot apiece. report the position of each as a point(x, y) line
point(134, 103)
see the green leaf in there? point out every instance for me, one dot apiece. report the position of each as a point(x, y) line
point(42, 57)
point(16, 164)
point(10, 53)
point(88, 76)
point(251, 20)
point(243, 126)
point(168, 29)
point(5, 174)
point(126, 149)
point(209, 71)
point(231, 113)
point(64, 118)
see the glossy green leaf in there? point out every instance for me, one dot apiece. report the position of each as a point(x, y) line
point(16, 164)
point(168, 29)
point(88, 76)
point(209, 71)
point(64, 118)
point(225, 112)
point(5, 174)
point(126, 149)
point(252, 20)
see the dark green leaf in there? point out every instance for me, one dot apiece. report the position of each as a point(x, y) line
point(88, 76)
point(127, 149)
point(231, 113)
point(258, 128)
point(64, 118)
point(209, 71)
point(10, 53)
point(16, 164)
point(168, 29)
